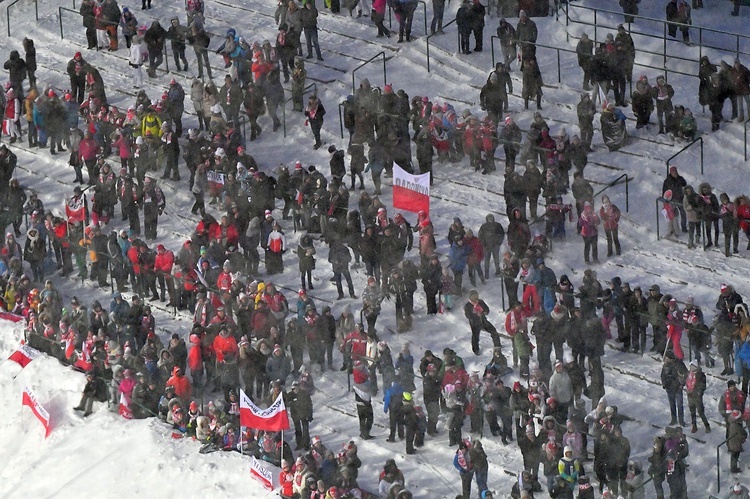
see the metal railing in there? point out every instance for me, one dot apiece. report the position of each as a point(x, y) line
point(677, 55)
point(745, 125)
point(313, 85)
point(368, 61)
point(341, 118)
point(615, 182)
point(558, 49)
point(458, 41)
point(7, 12)
point(718, 465)
point(424, 6)
point(699, 139)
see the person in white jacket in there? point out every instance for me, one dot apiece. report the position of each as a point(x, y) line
point(138, 55)
point(738, 491)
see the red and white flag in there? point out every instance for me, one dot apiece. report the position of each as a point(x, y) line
point(125, 407)
point(75, 209)
point(24, 355)
point(603, 97)
point(272, 419)
point(215, 181)
point(7, 316)
point(41, 414)
point(260, 473)
point(411, 192)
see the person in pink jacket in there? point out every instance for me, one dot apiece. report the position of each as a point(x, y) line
point(124, 147)
point(88, 149)
point(378, 16)
point(587, 226)
point(610, 216)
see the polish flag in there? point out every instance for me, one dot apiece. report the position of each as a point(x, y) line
point(24, 355)
point(411, 192)
point(260, 473)
point(41, 414)
point(75, 209)
point(125, 407)
point(603, 98)
point(7, 316)
point(272, 419)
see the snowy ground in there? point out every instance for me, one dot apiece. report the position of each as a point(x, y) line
point(139, 458)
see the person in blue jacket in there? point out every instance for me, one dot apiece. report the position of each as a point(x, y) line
point(457, 258)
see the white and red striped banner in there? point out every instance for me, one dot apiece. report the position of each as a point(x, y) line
point(40, 412)
point(411, 192)
point(603, 98)
point(272, 419)
point(75, 210)
point(24, 355)
point(124, 408)
point(261, 473)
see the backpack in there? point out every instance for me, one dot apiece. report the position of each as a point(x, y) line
point(281, 38)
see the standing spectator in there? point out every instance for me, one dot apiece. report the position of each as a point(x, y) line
point(673, 376)
point(155, 39)
point(477, 23)
point(526, 33)
point(315, 112)
point(663, 93)
point(309, 16)
point(507, 34)
point(630, 9)
point(740, 81)
point(77, 77)
point(476, 311)
point(532, 83)
point(438, 8)
point(462, 462)
point(695, 385)
point(491, 235)
point(17, 72)
point(676, 183)
point(585, 52)
point(177, 35)
point(89, 22)
point(586, 110)
point(730, 223)
point(587, 226)
point(463, 22)
point(138, 56)
point(404, 10)
point(378, 16)
point(30, 53)
point(200, 40)
point(610, 217)
point(112, 15)
point(129, 25)
point(301, 411)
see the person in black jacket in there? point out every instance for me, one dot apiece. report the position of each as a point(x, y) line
point(301, 410)
point(315, 112)
point(94, 391)
point(476, 311)
point(464, 23)
point(89, 22)
point(17, 72)
point(491, 234)
point(77, 76)
point(477, 23)
point(28, 47)
point(339, 257)
point(673, 376)
point(155, 38)
point(177, 35)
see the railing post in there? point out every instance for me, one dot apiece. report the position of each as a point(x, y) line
point(492, 49)
point(502, 291)
point(283, 114)
point(60, 11)
point(664, 51)
point(559, 76)
point(627, 194)
point(385, 70)
point(701, 154)
point(341, 119)
point(428, 53)
point(748, 121)
point(658, 237)
point(424, 6)
point(36, 13)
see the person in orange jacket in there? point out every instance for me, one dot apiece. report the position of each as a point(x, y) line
point(182, 387)
point(226, 352)
point(163, 264)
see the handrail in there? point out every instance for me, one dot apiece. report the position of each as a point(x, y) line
point(60, 15)
point(615, 182)
point(718, 467)
point(699, 139)
point(424, 5)
point(341, 119)
point(658, 236)
point(7, 12)
point(558, 49)
point(313, 85)
point(368, 61)
point(701, 45)
point(428, 42)
point(745, 125)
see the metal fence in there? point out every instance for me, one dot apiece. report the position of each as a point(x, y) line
point(698, 140)
point(619, 180)
point(368, 61)
point(312, 86)
point(708, 38)
point(14, 2)
point(458, 43)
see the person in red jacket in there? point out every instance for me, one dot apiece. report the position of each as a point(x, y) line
point(453, 373)
point(286, 478)
point(354, 346)
point(133, 257)
point(515, 321)
point(610, 217)
point(187, 280)
point(195, 358)
point(88, 150)
point(224, 281)
point(182, 387)
point(163, 264)
point(226, 351)
point(476, 256)
point(226, 234)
